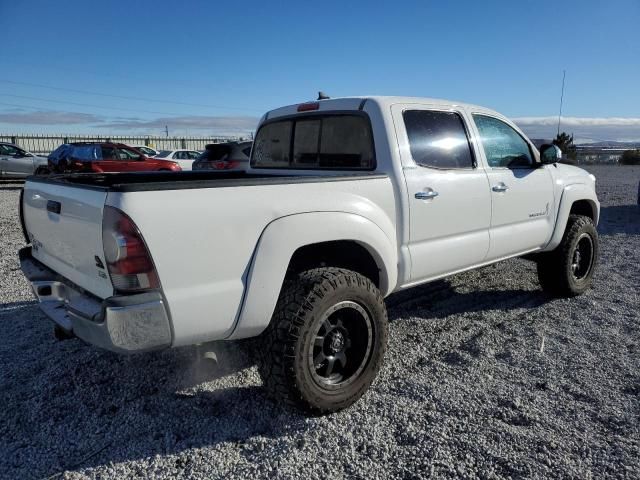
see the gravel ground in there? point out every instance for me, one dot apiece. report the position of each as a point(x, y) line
point(485, 377)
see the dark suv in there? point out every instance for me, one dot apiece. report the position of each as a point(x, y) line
point(100, 157)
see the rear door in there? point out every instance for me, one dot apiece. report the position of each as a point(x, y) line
point(131, 161)
point(64, 225)
point(111, 161)
point(522, 212)
point(449, 201)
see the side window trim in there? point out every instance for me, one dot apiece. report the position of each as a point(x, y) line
point(534, 158)
point(467, 132)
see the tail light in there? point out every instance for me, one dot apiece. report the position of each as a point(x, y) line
point(128, 260)
point(224, 164)
point(231, 164)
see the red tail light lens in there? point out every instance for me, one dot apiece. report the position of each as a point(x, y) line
point(232, 164)
point(128, 260)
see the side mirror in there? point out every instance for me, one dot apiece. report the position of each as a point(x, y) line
point(550, 154)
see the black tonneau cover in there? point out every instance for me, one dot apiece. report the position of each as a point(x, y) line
point(146, 181)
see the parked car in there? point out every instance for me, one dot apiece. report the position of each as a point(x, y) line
point(147, 151)
point(224, 156)
point(16, 162)
point(346, 201)
point(182, 157)
point(104, 157)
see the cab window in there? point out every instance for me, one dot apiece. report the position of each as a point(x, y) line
point(503, 146)
point(438, 139)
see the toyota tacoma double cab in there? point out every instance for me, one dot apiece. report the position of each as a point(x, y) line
point(344, 202)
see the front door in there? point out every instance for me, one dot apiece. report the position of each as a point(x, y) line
point(15, 162)
point(449, 199)
point(522, 212)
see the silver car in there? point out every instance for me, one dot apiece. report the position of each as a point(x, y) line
point(18, 163)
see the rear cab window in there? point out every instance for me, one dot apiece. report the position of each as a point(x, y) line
point(328, 141)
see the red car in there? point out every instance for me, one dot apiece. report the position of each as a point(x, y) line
point(101, 157)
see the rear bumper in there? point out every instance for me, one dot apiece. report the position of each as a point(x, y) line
point(123, 324)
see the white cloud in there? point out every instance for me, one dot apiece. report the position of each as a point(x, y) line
point(580, 121)
point(584, 129)
point(219, 124)
point(48, 118)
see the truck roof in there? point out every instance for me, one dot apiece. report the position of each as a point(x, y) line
point(384, 102)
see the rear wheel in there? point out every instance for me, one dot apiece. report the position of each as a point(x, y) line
point(568, 270)
point(326, 341)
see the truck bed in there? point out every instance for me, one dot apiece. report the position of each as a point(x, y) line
point(151, 181)
point(201, 231)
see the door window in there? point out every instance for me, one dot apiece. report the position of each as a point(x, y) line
point(10, 150)
point(438, 139)
point(503, 146)
point(126, 155)
point(108, 153)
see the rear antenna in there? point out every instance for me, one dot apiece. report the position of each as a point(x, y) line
point(323, 96)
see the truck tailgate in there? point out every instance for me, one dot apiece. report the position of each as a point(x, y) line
point(64, 225)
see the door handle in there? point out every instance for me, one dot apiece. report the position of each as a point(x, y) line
point(501, 187)
point(426, 195)
point(54, 207)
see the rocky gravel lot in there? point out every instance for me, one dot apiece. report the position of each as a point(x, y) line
point(485, 377)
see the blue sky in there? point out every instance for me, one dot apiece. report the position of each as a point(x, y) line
point(204, 67)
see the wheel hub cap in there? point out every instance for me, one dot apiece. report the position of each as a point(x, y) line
point(342, 345)
point(336, 343)
point(583, 256)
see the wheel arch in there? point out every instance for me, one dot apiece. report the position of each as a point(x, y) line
point(578, 199)
point(304, 241)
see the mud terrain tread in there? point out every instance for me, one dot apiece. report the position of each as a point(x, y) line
point(296, 303)
point(554, 267)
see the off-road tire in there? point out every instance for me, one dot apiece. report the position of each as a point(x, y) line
point(305, 299)
point(555, 268)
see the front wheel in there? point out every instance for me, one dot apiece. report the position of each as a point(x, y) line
point(326, 341)
point(568, 270)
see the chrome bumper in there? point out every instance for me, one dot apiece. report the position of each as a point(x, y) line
point(123, 324)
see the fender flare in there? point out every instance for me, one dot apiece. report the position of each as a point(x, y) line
point(279, 241)
point(570, 195)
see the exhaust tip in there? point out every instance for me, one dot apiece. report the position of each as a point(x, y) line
point(44, 291)
point(62, 334)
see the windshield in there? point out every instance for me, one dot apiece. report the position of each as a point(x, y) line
point(164, 153)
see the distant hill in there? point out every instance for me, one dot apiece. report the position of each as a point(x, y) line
point(610, 144)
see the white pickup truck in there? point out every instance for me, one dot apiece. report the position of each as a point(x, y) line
point(346, 201)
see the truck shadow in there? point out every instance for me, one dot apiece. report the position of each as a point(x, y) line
point(440, 299)
point(70, 406)
point(620, 219)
